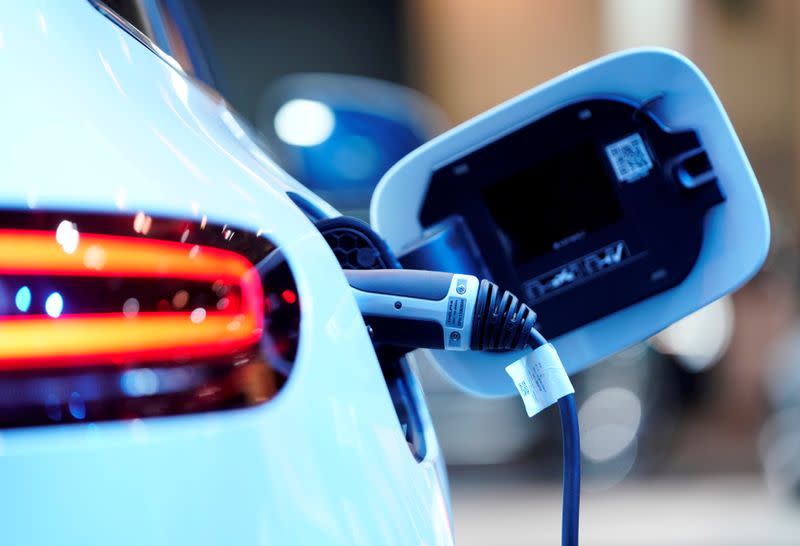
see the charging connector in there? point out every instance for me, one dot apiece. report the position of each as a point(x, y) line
point(417, 309)
point(434, 310)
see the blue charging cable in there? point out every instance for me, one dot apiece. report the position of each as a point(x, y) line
point(571, 441)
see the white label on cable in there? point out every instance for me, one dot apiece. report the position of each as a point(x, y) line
point(540, 378)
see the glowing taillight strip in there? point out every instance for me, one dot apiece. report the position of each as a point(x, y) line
point(112, 338)
point(38, 252)
point(117, 340)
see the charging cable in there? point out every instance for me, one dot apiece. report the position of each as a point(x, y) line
point(434, 310)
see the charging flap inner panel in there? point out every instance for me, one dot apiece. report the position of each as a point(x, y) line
point(615, 199)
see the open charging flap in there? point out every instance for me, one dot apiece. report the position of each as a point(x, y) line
point(615, 199)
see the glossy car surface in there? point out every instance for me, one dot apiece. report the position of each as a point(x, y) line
point(95, 122)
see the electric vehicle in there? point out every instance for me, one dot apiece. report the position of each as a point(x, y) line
point(182, 358)
point(114, 155)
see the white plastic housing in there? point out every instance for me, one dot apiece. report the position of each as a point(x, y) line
point(455, 312)
point(737, 232)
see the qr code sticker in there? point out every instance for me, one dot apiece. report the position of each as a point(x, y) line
point(629, 158)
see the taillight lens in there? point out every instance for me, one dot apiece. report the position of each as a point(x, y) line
point(106, 317)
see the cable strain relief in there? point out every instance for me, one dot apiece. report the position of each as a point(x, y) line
point(502, 322)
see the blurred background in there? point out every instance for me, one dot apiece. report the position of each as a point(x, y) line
point(691, 438)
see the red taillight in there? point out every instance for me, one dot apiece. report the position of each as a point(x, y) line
point(113, 316)
point(117, 337)
point(289, 297)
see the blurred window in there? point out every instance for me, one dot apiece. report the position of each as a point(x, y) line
point(132, 11)
point(174, 27)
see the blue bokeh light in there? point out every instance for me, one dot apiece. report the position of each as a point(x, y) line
point(23, 299)
point(76, 405)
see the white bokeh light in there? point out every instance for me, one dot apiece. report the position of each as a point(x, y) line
point(701, 339)
point(609, 420)
point(54, 305)
point(67, 236)
point(303, 122)
point(197, 315)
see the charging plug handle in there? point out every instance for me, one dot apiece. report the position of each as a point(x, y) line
point(435, 310)
point(426, 285)
point(501, 321)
